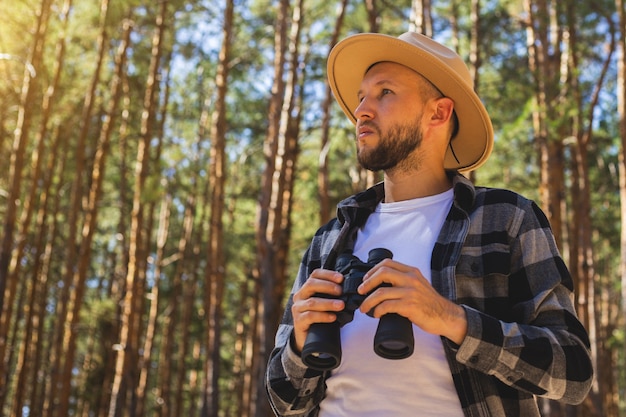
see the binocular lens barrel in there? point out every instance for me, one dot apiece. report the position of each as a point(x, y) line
point(377, 255)
point(322, 347)
point(394, 337)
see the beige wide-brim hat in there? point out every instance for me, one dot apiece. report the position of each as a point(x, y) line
point(351, 58)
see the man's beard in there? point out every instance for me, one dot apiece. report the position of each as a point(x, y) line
point(395, 148)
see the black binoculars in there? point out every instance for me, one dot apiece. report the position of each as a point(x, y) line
point(394, 335)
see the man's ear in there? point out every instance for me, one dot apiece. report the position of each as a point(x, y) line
point(442, 110)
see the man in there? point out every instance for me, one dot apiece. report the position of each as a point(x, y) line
point(475, 270)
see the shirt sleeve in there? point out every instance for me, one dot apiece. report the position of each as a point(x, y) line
point(293, 388)
point(526, 332)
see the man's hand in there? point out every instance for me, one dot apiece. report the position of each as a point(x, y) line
point(308, 308)
point(412, 296)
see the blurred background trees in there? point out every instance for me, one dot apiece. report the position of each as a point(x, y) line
point(163, 166)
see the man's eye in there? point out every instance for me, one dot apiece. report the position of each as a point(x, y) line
point(385, 91)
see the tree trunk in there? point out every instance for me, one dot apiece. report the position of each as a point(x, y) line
point(273, 227)
point(140, 282)
point(144, 365)
point(266, 212)
point(48, 238)
point(189, 289)
point(125, 378)
point(30, 338)
point(43, 247)
point(253, 357)
point(621, 101)
point(239, 364)
point(21, 134)
point(115, 285)
point(421, 20)
point(75, 211)
point(88, 231)
point(216, 268)
point(600, 314)
point(169, 380)
point(323, 185)
point(544, 40)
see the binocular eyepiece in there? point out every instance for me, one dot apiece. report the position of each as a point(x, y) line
point(394, 334)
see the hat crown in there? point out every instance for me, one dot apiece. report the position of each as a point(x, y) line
point(446, 55)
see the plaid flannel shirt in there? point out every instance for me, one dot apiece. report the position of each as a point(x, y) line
point(495, 256)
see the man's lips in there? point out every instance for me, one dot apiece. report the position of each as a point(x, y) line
point(365, 130)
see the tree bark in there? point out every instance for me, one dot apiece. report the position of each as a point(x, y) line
point(323, 182)
point(274, 224)
point(48, 237)
point(16, 166)
point(621, 106)
point(57, 354)
point(32, 322)
point(544, 40)
point(216, 268)
point(88, 231)
point(621, 100)
point(604, 312)
point(125, 378)
point(421, 20)
point(151, 328)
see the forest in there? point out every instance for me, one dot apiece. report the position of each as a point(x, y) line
point(164, 165)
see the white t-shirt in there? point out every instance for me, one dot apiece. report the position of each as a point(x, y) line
point(367, 385)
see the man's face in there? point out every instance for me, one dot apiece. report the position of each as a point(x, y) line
point(389, 118)
point(395, 148)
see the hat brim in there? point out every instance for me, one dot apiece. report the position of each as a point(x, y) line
point(349, 60)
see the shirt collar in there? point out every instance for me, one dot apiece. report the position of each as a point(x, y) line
point(358, 207)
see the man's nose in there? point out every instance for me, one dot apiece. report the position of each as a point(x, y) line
point(364, 110)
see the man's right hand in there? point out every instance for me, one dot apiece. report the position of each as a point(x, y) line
point(308, 308)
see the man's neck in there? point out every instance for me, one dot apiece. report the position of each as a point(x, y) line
point(420, 183)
